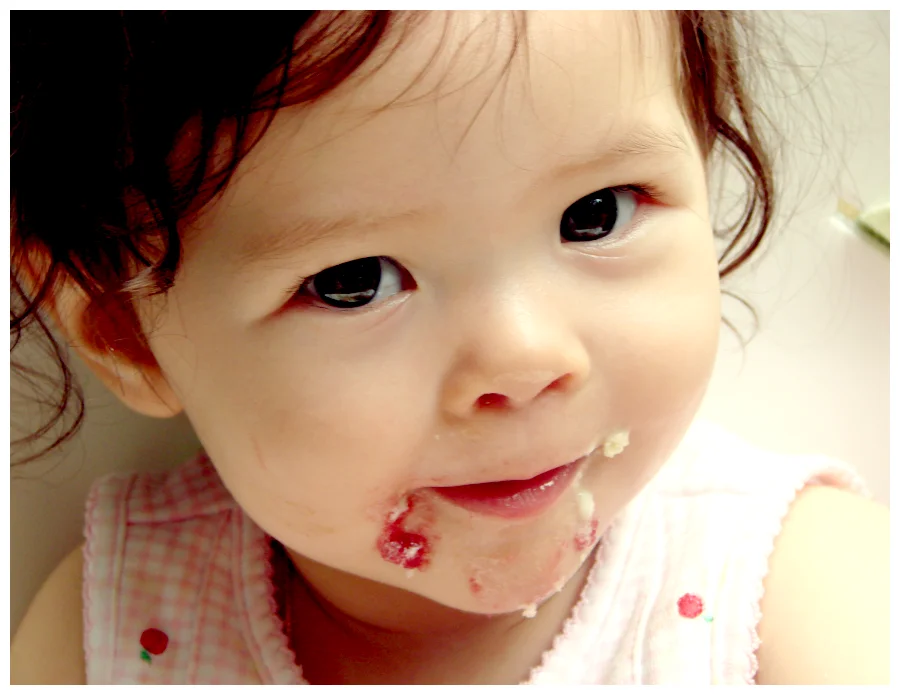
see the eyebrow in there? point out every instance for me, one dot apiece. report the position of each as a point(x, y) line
point(639, 143)
point(645, 141)
point(305, 231)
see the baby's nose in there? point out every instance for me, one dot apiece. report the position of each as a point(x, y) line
point(511, 370)
point(518, 392)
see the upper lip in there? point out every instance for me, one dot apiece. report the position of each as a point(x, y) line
point(534, 470)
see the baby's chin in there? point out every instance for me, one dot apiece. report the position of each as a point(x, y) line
point(500, 576)
point(482, 564)
point(502, 585)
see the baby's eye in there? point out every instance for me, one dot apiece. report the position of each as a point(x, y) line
point(596, 215)
point(356, 283)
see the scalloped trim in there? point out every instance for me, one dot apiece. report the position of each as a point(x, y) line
point(259, 593)
point(576, 615)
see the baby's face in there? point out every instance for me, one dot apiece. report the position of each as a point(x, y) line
point(529, 270)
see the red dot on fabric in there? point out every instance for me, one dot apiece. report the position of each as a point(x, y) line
point(154, 641)
point(690, 606)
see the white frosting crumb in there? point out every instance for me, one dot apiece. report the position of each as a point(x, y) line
point(578, 476)
point(615, 443)
point(401, 508)
point(530, 611)
point(585, 505)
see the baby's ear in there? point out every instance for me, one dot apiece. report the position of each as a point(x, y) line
point(107, 335)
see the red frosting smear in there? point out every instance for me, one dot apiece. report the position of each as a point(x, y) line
point(585, 539)
point(154, 641)
point(690, 605)
point(475, 586)
point(408, 548)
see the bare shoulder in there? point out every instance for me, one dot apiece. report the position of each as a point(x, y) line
point(825, 616)
point(47, 647)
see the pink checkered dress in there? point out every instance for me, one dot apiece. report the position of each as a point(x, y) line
point(178, 583)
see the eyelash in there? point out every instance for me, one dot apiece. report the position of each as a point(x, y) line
point(645, 193)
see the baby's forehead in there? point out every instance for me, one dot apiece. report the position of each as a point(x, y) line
point(459, 63)
point(455, 82)
point(461, 109)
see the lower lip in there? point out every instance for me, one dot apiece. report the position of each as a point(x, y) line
point(512, 499)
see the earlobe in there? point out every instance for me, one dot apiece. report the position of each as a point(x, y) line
point(142, 387)
point(113, 345)
point(107, 336)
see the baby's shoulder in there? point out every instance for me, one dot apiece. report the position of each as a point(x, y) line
point(171, 554)
point(145, 531)
point(731, 498)
point(779, 547)
point(47, 647)
point(825, 604)
point(727, 532)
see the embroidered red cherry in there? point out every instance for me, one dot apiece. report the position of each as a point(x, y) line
point(690, 605)
point(154, 641)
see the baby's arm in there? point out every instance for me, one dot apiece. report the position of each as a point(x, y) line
point(825, 611)
point(47, 647)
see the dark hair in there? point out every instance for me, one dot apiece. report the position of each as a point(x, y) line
point(100, 100)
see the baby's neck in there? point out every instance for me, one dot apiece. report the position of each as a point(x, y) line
point(366, 632)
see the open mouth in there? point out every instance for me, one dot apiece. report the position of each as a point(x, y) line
point(512, 498)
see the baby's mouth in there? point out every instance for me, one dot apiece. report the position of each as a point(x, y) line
point(513, 499)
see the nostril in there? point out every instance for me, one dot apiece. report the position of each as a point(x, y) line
point(492, 400)
point(559, 384)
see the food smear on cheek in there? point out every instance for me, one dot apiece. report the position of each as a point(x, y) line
point(475, 586)
point(585, 505)
point(410, 548)
point(615, 443)
point(587, 536)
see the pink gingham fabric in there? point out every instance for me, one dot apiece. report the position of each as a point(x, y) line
point(174, 552)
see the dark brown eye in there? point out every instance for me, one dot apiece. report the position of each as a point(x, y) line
point(595, 216)
point(356, 283)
